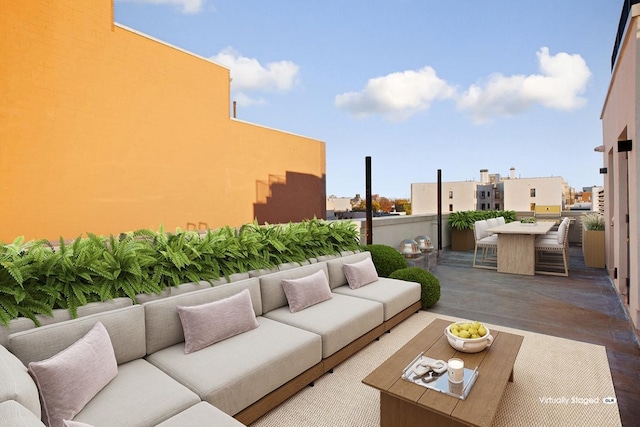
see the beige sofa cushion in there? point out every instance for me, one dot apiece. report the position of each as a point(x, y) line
point(60, 315)
point(71, 378)
point(202, 415)
point(273, 295)
point(141, 395)
point(234, 373)
point(395, 295)
point(13, 414)
point(16, 383)
point(339, 321)
point(206, 324)
point(125, 326)
point(163, 326)
point(335, 268)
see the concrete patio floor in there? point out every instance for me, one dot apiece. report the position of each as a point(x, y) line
point(582, 307)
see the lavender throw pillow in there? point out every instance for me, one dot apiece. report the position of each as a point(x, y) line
point(71, 378)
point(209, 323)
point(306, 291)
point(360, 273)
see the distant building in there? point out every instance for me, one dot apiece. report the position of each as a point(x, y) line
point(494, 192)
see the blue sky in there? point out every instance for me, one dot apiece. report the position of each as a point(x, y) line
point(418, 85)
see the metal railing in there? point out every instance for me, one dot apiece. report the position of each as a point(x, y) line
point(624, 16)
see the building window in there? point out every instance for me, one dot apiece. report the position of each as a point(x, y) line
point(489, 194)
point(497, 194)
point(482, 194)
point(450, 194)
point(532, 192)
point(497, 206)
point(482, 207)
point(450, 208)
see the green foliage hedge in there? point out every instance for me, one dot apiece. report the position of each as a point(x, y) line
point(464, 220)
point(430, 284)
point(387, 259)
point(36, 278)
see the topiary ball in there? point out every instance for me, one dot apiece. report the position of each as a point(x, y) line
point(387, 259)
point(429, 283)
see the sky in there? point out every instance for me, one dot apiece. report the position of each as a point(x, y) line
point(417, 85)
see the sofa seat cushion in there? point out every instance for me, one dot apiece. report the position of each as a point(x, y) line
point(395, 295)
point(339, 321)
point(201, 415)
point(141, 395)
point(15, 415)
point(234, 373)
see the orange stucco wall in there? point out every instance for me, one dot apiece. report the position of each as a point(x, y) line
point(104, 130)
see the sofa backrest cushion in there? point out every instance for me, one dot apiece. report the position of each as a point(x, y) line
point(126, 329)
point(336, 271)
point(273, 295)
point(16, 383)
point(60, 315)
point(163, 325)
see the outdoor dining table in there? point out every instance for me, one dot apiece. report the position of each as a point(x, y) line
point(517, 245)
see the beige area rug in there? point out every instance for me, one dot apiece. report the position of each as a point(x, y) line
point(557, 382)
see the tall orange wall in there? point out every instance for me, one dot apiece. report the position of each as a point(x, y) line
point(104, 130)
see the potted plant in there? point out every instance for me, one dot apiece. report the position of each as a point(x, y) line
point(461, 224)
point(593, 248)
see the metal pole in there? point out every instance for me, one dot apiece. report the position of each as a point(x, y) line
point(439, 211)
point(369, 200)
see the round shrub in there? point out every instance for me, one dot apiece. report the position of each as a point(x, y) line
point(387, 259)
point(429, 283)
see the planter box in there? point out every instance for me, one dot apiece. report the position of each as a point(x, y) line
point(462, 240)
point(593, 248)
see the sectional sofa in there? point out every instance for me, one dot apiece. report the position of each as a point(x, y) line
point(198, 355)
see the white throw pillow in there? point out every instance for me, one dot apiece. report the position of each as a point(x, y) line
point(71, 378)
point(360, 273)
point(306, 291)
point(215, 321)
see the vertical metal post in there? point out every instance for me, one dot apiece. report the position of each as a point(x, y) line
point(369, 200)
point(439, 211)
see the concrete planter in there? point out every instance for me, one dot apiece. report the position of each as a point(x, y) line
point(593, 248)
point(462, 240)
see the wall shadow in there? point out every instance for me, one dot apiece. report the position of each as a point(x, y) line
point(290, 198)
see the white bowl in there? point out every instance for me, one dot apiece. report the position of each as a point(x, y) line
point(468, 345)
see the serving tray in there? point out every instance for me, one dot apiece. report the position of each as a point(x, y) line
point(441, 383)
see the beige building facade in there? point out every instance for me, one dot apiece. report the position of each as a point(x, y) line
point(456, 196)
point(518, 194)
point(620, 126)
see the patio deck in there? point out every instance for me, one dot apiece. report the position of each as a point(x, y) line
point(582, 307)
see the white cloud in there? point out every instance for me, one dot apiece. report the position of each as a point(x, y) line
point(186, 6)
point(562, 79)
point(398, 95)
point(248, 75)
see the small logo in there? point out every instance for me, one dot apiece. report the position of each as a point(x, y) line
point(609, 400)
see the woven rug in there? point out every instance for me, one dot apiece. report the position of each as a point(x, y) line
point(557, 382)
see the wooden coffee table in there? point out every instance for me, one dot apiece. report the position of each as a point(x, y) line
point(403, 403)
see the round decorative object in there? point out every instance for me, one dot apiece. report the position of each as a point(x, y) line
point(409, 248)
point(468, 345)
point(424, 243)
